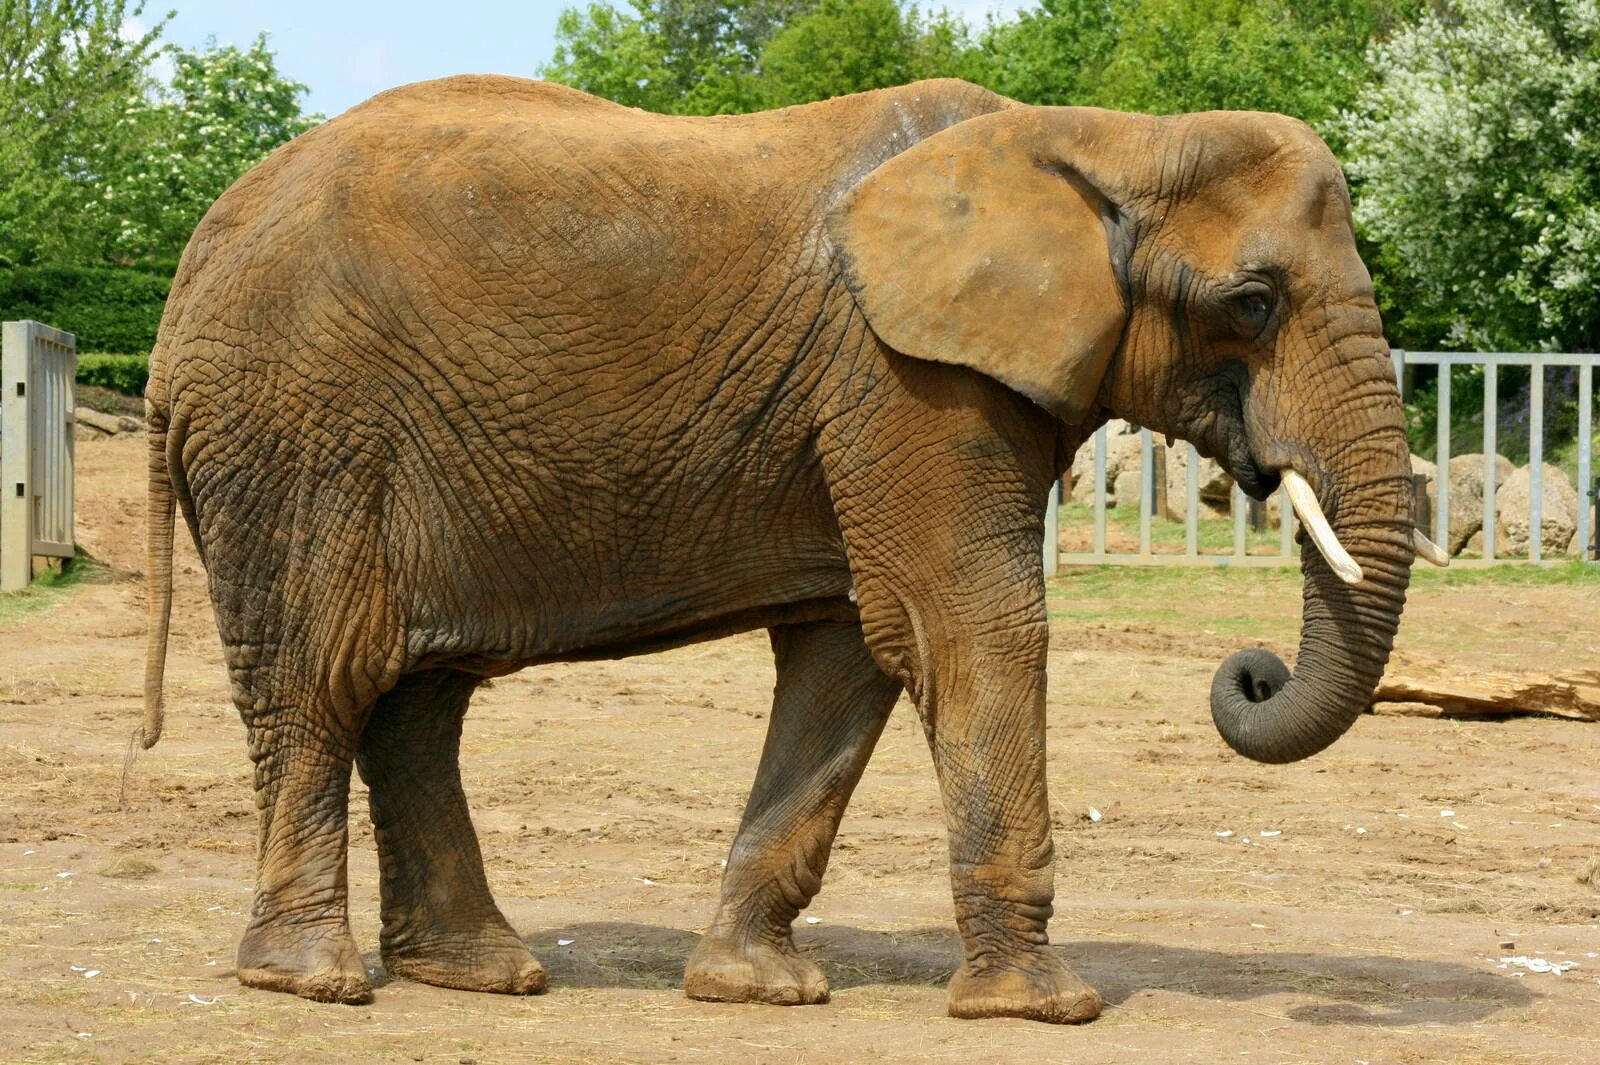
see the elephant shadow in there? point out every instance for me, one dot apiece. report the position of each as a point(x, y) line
point(1369, 990)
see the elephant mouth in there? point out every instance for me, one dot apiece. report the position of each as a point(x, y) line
point(1253, 479)
point(1221, 432)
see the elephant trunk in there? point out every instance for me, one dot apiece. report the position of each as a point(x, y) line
point(1270, 715)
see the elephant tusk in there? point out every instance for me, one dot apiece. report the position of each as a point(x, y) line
point(1429, 550)
point(1305, 504)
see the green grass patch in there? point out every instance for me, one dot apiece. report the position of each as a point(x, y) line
point(1515, 574)
point(50, 586)
point(1162, 586)
point(1160, 583)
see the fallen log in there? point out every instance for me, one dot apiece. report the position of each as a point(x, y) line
point(1459, 692)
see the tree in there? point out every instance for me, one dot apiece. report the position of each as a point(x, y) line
point(847, 46)
point(1476, 158)
point(226, 109)
point(670, 56)
point(1052, 54)
point(732, 56)
point(71, 84)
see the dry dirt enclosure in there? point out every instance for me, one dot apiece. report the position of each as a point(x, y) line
point(1346, 909)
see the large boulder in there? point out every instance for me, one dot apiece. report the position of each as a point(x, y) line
point(1122, 453)
point(1215, 485)
point(1574, 548)
point(1430, 473)
point(1466, 498)
point(1502, 546)
point(1126, 491)
point(1558, 516)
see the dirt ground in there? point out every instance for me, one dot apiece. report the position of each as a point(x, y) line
point(1345, 909)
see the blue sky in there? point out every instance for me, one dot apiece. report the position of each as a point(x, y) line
point(346, 50)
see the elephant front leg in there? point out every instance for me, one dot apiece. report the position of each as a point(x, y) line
point(983, 710)
point(829, 708)
point(440, 924)
point(299, 937)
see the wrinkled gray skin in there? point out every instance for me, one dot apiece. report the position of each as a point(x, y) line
point(486, 373)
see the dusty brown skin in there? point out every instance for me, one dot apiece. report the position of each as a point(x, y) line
point(487, 373)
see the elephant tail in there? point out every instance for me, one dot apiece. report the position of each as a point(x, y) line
point(158, 581)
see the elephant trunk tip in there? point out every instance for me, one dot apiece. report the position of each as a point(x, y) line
point(1244, 683)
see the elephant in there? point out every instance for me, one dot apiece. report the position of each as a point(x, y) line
point(487, 372)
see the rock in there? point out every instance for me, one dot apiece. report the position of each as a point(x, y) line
point(1429, 495)
point(1127, 488)
point(1466, 498)
point(1558, 511)
point(1215, 485)
point(1122, 453)
point(1474, 543)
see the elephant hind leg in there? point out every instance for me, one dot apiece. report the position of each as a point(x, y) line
point(298, 939)
point(440, 924)
point(829, 708)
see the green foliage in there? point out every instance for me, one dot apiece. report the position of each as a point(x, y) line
point(1477, 156)
point(70, 87)
point(847, 46)
point(671, 56)
point(1051, 54)
point(120, 373)
point(102, 164)
point(226, 109)
point(704, 57)
point(107, 309)
point(1305, 59)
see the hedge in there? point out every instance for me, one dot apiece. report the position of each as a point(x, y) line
point(120, 373)
point(106, 308)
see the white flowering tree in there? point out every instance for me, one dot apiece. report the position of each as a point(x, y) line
point(1475, 155)
point(224, 111)
point(72, 72)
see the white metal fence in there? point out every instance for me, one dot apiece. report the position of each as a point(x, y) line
point(1262, 549)
point(38, 365)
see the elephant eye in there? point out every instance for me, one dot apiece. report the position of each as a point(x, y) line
point(1250, 305)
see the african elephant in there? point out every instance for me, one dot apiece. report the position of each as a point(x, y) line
point(487, 372)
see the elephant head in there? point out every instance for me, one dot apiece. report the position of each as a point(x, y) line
point(1197, 275)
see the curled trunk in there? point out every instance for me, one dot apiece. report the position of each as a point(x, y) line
point(1270, 715)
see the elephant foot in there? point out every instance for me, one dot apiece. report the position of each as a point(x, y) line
point(1044, 990)
point(728, 970)
point(323, 965)
point(502, 966)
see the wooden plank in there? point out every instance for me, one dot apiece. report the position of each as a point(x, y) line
point(1486, 693)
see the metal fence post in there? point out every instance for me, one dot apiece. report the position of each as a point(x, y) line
point(16, 435)
point(1100, 445)
point(1052, 530)
point(1491, 429)
point(1585, 445)
point(1536, 463)
point(1441, 464)
point(1237, 497)
point(1147, 465)
point(1191, 503)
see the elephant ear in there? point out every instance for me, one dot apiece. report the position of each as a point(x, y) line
point(990, 245)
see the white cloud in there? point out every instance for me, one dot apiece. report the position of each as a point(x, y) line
point(161, 67)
